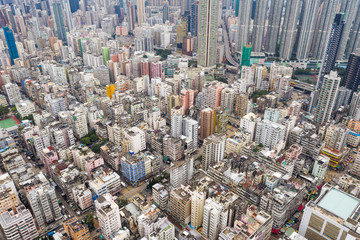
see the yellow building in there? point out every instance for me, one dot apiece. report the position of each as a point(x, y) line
point(8, 200)
point(110, 89)
point(76, 230)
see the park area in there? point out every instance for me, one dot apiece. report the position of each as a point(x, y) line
point(9, 123)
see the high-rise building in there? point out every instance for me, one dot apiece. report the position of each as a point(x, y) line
point(44, 205)
point(228, 98)
point(243, 31)
point(213, 150)
point(215, 218)
point(180, 204)
point(326, 98)
point(130, 15)
point(194, 21)
point(259, 25)
point(197, 208)
point(108, 215)
point(241, 104)
point(327, 11)
point(136, 139)
point(57, 9)
point(211, 95)
point(10, 41)
point(57, 105)
point(160, 196)
point(13, 93)
point(18, 223)
point(207, 122)
point(176, 121)
point(307, 28)
point(79, 124)
point(190, 129)
point(141, 17)
point(181, 172)
point(269, 133)
point(289, 28)
point(207, 32)
point(352, 75)
point(354, 38)
point(332, 48)
point(74, 5)
point(165, 11)
point(273, 30)
point(349, 8)
point(222, 120)
point(245, 56)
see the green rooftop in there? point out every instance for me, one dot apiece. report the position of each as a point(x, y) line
point(339, 203)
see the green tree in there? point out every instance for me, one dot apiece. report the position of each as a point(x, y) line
point(86, 141)
point(89, 221)
point(29, 117)
point(93, 137)
point(4, 111)
point(96, 148)
point(122, 202)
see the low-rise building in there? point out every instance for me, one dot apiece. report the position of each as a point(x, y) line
point(76, 230)
point(25, 108)
point(333, 215)
point(82, 197)
point(105, 181)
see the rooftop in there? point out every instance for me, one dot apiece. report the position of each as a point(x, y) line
point(339, 203)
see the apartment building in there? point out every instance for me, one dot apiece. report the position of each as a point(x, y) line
point(18, 223)
point(44, 205)
point(107, 212)
point(180, 204)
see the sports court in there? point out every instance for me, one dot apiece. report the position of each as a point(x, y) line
point(9, 122)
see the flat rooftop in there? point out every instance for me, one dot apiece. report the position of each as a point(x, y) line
point(339, 203)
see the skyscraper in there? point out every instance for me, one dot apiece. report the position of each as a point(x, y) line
point(207, 122)
point(243, 31)
point(307, 28)
point(141, 17)
point(74, 5)
point(165, 11)
point(354, 41)
point(327, 14)
point(273, 30)
point(349, 8)
point(332, 48)
point(130, 15)
point(237, 3)
point(352, 75)
point(10, 41)
point(288, 35)
point(327, 97)
point(259, 25)
point(194, 15)
point(59, 20)
point(207, 32)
